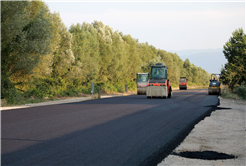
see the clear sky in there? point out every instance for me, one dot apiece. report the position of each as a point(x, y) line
point(168, 25)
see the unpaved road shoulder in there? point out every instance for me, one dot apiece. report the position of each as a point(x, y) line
point(217, 140)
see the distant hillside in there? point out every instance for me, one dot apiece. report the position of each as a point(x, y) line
point(208, 59)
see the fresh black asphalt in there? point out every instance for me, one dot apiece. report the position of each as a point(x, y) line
point(127, 130)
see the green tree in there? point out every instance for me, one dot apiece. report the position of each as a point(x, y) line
point(105, 48)
point(44, 67)
point(63, 54)
point(134, 61)
point(234, 72)
point(146, 67)
point(85, 47)
point(25, 37)
point(119, 62)
point(187, 66)
point(195, 73)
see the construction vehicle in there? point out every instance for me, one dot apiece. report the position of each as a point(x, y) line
point(214, 85)
point(183, 83)
point(142, 82)
point(159, 85)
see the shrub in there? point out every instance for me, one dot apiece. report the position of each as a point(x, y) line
point(13, 97)
point(49, 87)
point(120, 87)
point(111, 88)
point(227, 93)
point(131, 85)
point(241, 92)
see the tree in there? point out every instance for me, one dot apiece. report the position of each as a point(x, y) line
point(105, 49)
point(85, 47)
point(146, 67)
point(195, 73)
point(25, 37)
point(63, 55)
point(234, 72)
point(119, 61)
point(44, 67)
point(187, 67)
point(134, 61)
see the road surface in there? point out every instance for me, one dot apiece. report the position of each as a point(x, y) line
point(128, 130)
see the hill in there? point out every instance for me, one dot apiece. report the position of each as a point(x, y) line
point(208, 59)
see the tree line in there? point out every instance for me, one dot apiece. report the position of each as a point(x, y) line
point(41, 57)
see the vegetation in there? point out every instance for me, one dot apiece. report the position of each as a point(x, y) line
point(238, 93)
point(25, 37)
point(43, 58)
point(234, 72)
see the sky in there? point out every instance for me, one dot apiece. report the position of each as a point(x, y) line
point(168, 25)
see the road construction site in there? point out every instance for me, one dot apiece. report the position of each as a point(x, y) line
point(158, 131)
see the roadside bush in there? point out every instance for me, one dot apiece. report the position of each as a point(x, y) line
point(13, 97)
point(85, 90)
point(48, 87)
point(120, 87)
point(174, 85)
point(111, 88)
point(3, 102)
point(227, 93)
point(70, 92)
point(241, 92)
point(131, 86)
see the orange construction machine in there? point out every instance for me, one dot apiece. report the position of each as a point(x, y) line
point(159, 85)
point(183, 83)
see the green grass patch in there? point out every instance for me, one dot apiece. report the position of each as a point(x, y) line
point(24, 100)
point(237, 93)
point(241, 92)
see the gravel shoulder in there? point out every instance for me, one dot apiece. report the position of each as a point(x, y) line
point(216, 140)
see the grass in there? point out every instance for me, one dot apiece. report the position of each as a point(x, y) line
point(32, 99)
point(236, 94)
point(24, 101)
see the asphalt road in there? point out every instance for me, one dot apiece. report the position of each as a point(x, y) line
point(127, 130)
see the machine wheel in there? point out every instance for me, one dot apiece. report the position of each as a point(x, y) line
point(148, 97)
point(170, 93)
